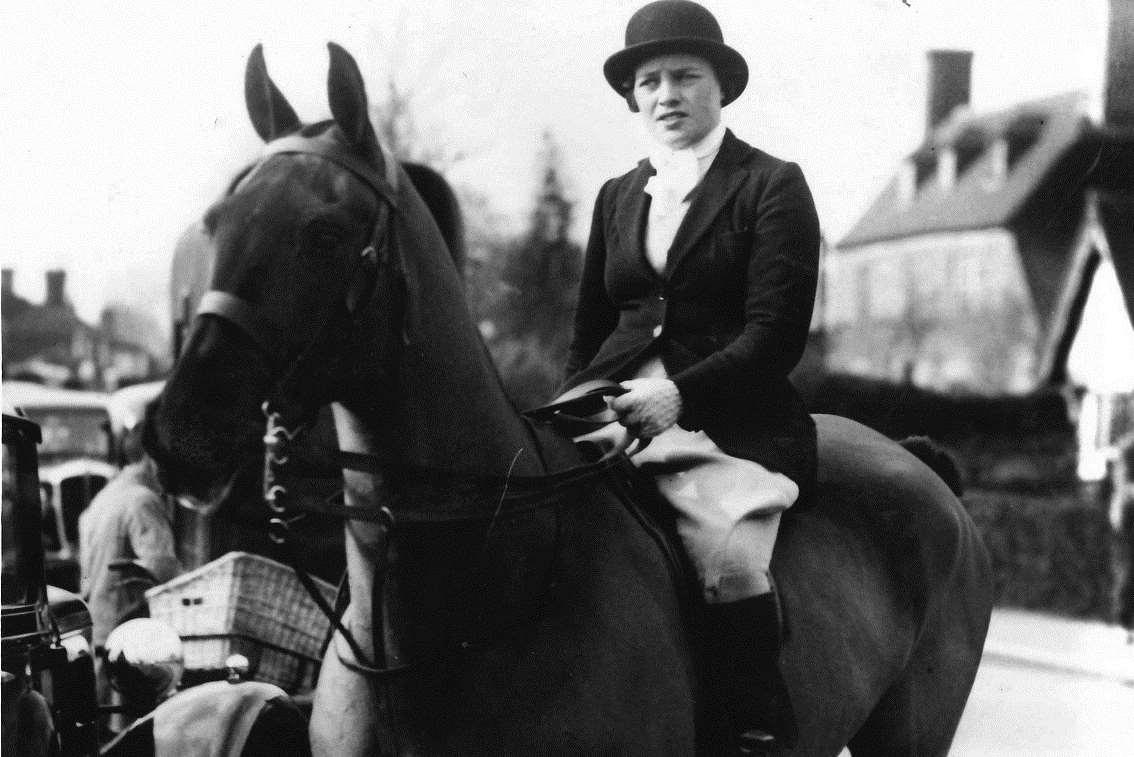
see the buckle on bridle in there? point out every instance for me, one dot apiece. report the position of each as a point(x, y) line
point(277, 436)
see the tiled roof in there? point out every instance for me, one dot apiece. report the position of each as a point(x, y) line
point(1029, 139)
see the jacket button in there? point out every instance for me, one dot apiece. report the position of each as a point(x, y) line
point(657, 330)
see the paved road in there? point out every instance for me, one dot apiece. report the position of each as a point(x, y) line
point(1050, 686)
point(1017, 710)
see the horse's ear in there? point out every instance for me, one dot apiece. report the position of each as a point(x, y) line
point(347, 94)
point(271, 114)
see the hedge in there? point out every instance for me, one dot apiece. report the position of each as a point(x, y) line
point(1051, 552)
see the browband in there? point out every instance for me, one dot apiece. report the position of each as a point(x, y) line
point(385, 184)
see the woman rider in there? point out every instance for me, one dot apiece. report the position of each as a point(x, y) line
point(697, 292)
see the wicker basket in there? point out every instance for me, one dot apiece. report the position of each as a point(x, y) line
point(247, 604)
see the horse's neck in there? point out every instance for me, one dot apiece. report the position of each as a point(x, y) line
point(448, 410)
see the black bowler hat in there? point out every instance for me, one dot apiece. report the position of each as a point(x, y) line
point(666, 27)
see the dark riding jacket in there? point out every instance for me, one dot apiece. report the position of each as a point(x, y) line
point(729, 316)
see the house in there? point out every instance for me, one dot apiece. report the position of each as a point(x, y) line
point(999, 260)
point(47, 341)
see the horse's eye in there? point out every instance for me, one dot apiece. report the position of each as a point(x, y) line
point(319, 239)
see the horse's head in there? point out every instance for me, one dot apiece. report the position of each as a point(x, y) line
point(299, 248)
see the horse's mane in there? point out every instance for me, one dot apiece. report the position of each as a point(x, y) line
point(443, 205)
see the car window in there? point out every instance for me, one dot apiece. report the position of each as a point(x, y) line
point(72, 432)
point(9, 589)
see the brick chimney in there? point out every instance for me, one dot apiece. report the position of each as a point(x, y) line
point(950, 76)
point(1118, 103)
point(9, 279)
point(56, 289)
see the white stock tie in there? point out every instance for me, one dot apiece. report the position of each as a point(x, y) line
point(677, 175)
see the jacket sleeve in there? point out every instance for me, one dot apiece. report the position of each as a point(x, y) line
point(595, 315)
point(782, 275)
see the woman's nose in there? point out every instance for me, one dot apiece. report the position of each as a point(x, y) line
point(667, 91)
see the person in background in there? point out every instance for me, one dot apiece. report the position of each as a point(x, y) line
point(126, 545)
point(697, 292)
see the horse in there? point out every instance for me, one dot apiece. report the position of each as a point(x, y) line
point(508, 595)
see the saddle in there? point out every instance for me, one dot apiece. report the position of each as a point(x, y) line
point(579, 414)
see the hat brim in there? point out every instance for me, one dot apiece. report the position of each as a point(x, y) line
point(729, 65)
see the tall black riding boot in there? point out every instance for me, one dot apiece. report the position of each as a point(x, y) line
point(745, 637)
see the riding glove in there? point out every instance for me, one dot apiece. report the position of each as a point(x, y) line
point(649, 407)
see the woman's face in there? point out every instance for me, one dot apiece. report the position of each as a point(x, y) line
point(679, 97)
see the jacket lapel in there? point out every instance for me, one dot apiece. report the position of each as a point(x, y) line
point(631, 214)
point(721, 181)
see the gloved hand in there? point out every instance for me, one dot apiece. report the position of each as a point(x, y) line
point(649, 407)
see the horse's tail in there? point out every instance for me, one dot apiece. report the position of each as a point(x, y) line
point(937, 458)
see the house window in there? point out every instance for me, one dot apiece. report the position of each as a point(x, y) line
point(968, 149)
point(947, 170)
point(931, 295)
point(969, 284)
point(1022, 135)
point(862, 289)
point(887, 290)
point(997, 165)
point(924, 165)
point(907, 183)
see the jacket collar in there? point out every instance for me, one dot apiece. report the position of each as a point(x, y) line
point(719, 184)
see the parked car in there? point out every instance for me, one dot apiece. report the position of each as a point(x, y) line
point(127, 408)
point(49, 703)
point(45, 638)
point(76, 459)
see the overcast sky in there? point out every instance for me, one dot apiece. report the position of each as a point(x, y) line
point(120, 121)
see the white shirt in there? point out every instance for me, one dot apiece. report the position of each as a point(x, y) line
point(678, 173)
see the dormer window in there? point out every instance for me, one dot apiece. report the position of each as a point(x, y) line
point(997, 165)
point(1021, 136)
point(947, 169)
point(907, 183)
point(925, 164)
point(968, 147)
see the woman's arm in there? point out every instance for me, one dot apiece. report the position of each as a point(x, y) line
point(782, 275)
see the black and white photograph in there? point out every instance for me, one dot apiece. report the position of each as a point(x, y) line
point(643, 377)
